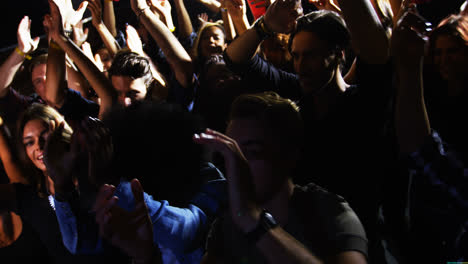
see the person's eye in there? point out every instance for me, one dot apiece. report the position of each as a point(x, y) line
point(28, 143)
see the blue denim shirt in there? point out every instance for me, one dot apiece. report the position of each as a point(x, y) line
point(175, 229)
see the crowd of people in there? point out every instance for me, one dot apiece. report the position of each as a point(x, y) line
point(320, 131)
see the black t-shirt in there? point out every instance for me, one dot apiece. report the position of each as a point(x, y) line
point(320, 220)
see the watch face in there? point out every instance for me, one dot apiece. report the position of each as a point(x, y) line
point(269, 219)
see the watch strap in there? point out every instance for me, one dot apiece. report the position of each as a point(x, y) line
point(265, 223)
point(262, 31)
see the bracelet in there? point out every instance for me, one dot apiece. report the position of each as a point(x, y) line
point(261, 29)
point(25, 55)
point(172, 29)
point(141, 12)
point(54, 45)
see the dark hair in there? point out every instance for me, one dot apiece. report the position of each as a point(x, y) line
point(153, 142)
point(37, 60)
point(128, 63)
point(46, 114)
point(328, 25)
point(279, 115)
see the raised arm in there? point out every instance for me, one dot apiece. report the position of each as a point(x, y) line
point(280, 17)
point(97, 79)
point(8, 158)
point(237, 10)
point(109, 17)
point(108, 38)
point(176, 55)
point(408, 42)
point(12, 64)
point(184, 23)
point(228, 23)
point(370, 42)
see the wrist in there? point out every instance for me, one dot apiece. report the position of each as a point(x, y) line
point(262, 30)
point(23, 54)
point(140, 11)
point(264, 223)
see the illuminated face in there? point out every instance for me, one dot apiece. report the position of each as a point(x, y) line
point(262, 151)
point(212, 41)
point(312, 61)
point(128, 89)
point(38, 77)
point(450, 57)
point(35, 134)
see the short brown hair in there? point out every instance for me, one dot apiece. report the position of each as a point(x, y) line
point(280, 115)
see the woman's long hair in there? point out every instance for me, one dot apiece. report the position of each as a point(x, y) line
point(46, 114)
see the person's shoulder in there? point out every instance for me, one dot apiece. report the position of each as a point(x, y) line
point(312, 192)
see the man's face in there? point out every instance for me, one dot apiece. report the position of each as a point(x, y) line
point(129, 89)
point(38, 77)
point(312, 61)
point(263, 153)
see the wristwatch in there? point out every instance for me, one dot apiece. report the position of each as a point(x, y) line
point(265, 223)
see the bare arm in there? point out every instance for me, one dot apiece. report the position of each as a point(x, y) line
point(176, 55)
point(280, 17)
point(106, 35)
point(9, 160)
point(109, 17)
point(238, 12)
point(55, 76)
point(12, 64)
point(183, 20)
point(97, 79)
point(411, 120)
point(370, 42)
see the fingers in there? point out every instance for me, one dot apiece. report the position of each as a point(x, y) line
point(217, 141)
point(104, 194)
point(137, 190)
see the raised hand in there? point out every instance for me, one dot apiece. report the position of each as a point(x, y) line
point(281, 15)
point(25, 43)
point(163, 9)
point(80, 34)
point(410, 36)
point(237, 9)
point(130, 231)
point(70, 16)
point(97, 142)
point(96, 12)
point(53, 21)
point(86, 47)
point(60, 156)
point(134, 41)
point(244, 210)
